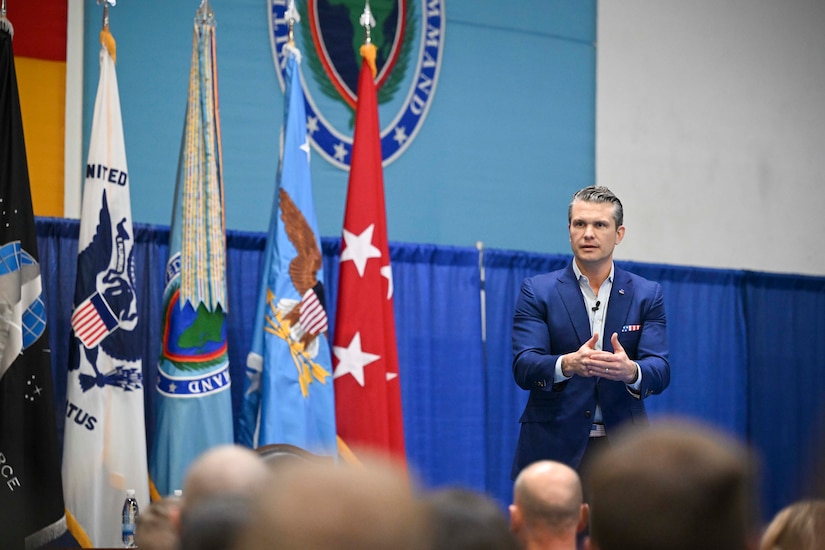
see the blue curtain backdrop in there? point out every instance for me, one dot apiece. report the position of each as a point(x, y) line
point(745, 350)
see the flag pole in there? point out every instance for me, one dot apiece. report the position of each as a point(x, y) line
point(204, 13)
point(5, 24)
point(483, 292)
point(367, 21)
point(368, 50)
point(293, 17)
point(106, 38)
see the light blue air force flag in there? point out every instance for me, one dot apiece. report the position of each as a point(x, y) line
point(193, 400)
point(289, 395)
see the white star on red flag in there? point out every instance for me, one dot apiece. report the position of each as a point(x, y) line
point(352, 359)
point(359, 248)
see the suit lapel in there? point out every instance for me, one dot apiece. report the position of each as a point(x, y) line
point(571, 296)
point(621, 296)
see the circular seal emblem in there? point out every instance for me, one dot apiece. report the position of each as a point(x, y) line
point(409, 37)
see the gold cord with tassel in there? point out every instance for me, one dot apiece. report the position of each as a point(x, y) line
point(106, 38)
point(108, 41)
point(369, 52)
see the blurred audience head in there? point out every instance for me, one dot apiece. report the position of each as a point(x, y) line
point(800, 526)
point(308, 505)
point(224, 470)
point(548, 509)
point(463, 519)
point(157, 525)
point(677, 485)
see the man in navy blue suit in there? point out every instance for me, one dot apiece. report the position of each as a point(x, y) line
point(589, 342)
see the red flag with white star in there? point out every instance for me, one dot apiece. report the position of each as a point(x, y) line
point(365, 355)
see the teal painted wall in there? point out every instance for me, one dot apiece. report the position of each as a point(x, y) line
point(509, 137)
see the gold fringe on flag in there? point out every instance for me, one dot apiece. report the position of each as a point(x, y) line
point(203, 254)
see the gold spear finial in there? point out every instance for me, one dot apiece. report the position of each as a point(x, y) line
point(205, 13)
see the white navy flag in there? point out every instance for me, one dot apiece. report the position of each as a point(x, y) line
point(104, 450)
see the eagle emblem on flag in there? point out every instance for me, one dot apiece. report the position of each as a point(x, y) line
point(299, 322)
point(106, 278)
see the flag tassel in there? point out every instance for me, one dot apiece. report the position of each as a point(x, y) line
point(368, 52)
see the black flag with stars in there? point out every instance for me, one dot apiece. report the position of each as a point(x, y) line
point(31, 494)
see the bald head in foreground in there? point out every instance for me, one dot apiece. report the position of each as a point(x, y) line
point(224, 470)
point(677, 485)
point(219, 490)
point(548, 511)
point(320, 506)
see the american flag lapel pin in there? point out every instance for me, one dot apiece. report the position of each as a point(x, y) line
point(621, 291)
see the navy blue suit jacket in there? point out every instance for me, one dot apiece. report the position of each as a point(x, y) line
point(550, 320)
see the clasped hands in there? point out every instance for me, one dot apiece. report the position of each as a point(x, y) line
point(587, 361)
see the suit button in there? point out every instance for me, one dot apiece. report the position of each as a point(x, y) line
point(587, 414)
point(540, 383)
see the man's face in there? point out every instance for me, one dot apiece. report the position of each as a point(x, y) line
point(593, 232)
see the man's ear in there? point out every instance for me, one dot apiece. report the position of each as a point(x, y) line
point(584, 518)
point(619, 234)
point(174, 517)
point(516, 520)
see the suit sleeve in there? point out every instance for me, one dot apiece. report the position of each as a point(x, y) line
point(533, 363)
point(653, 347)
